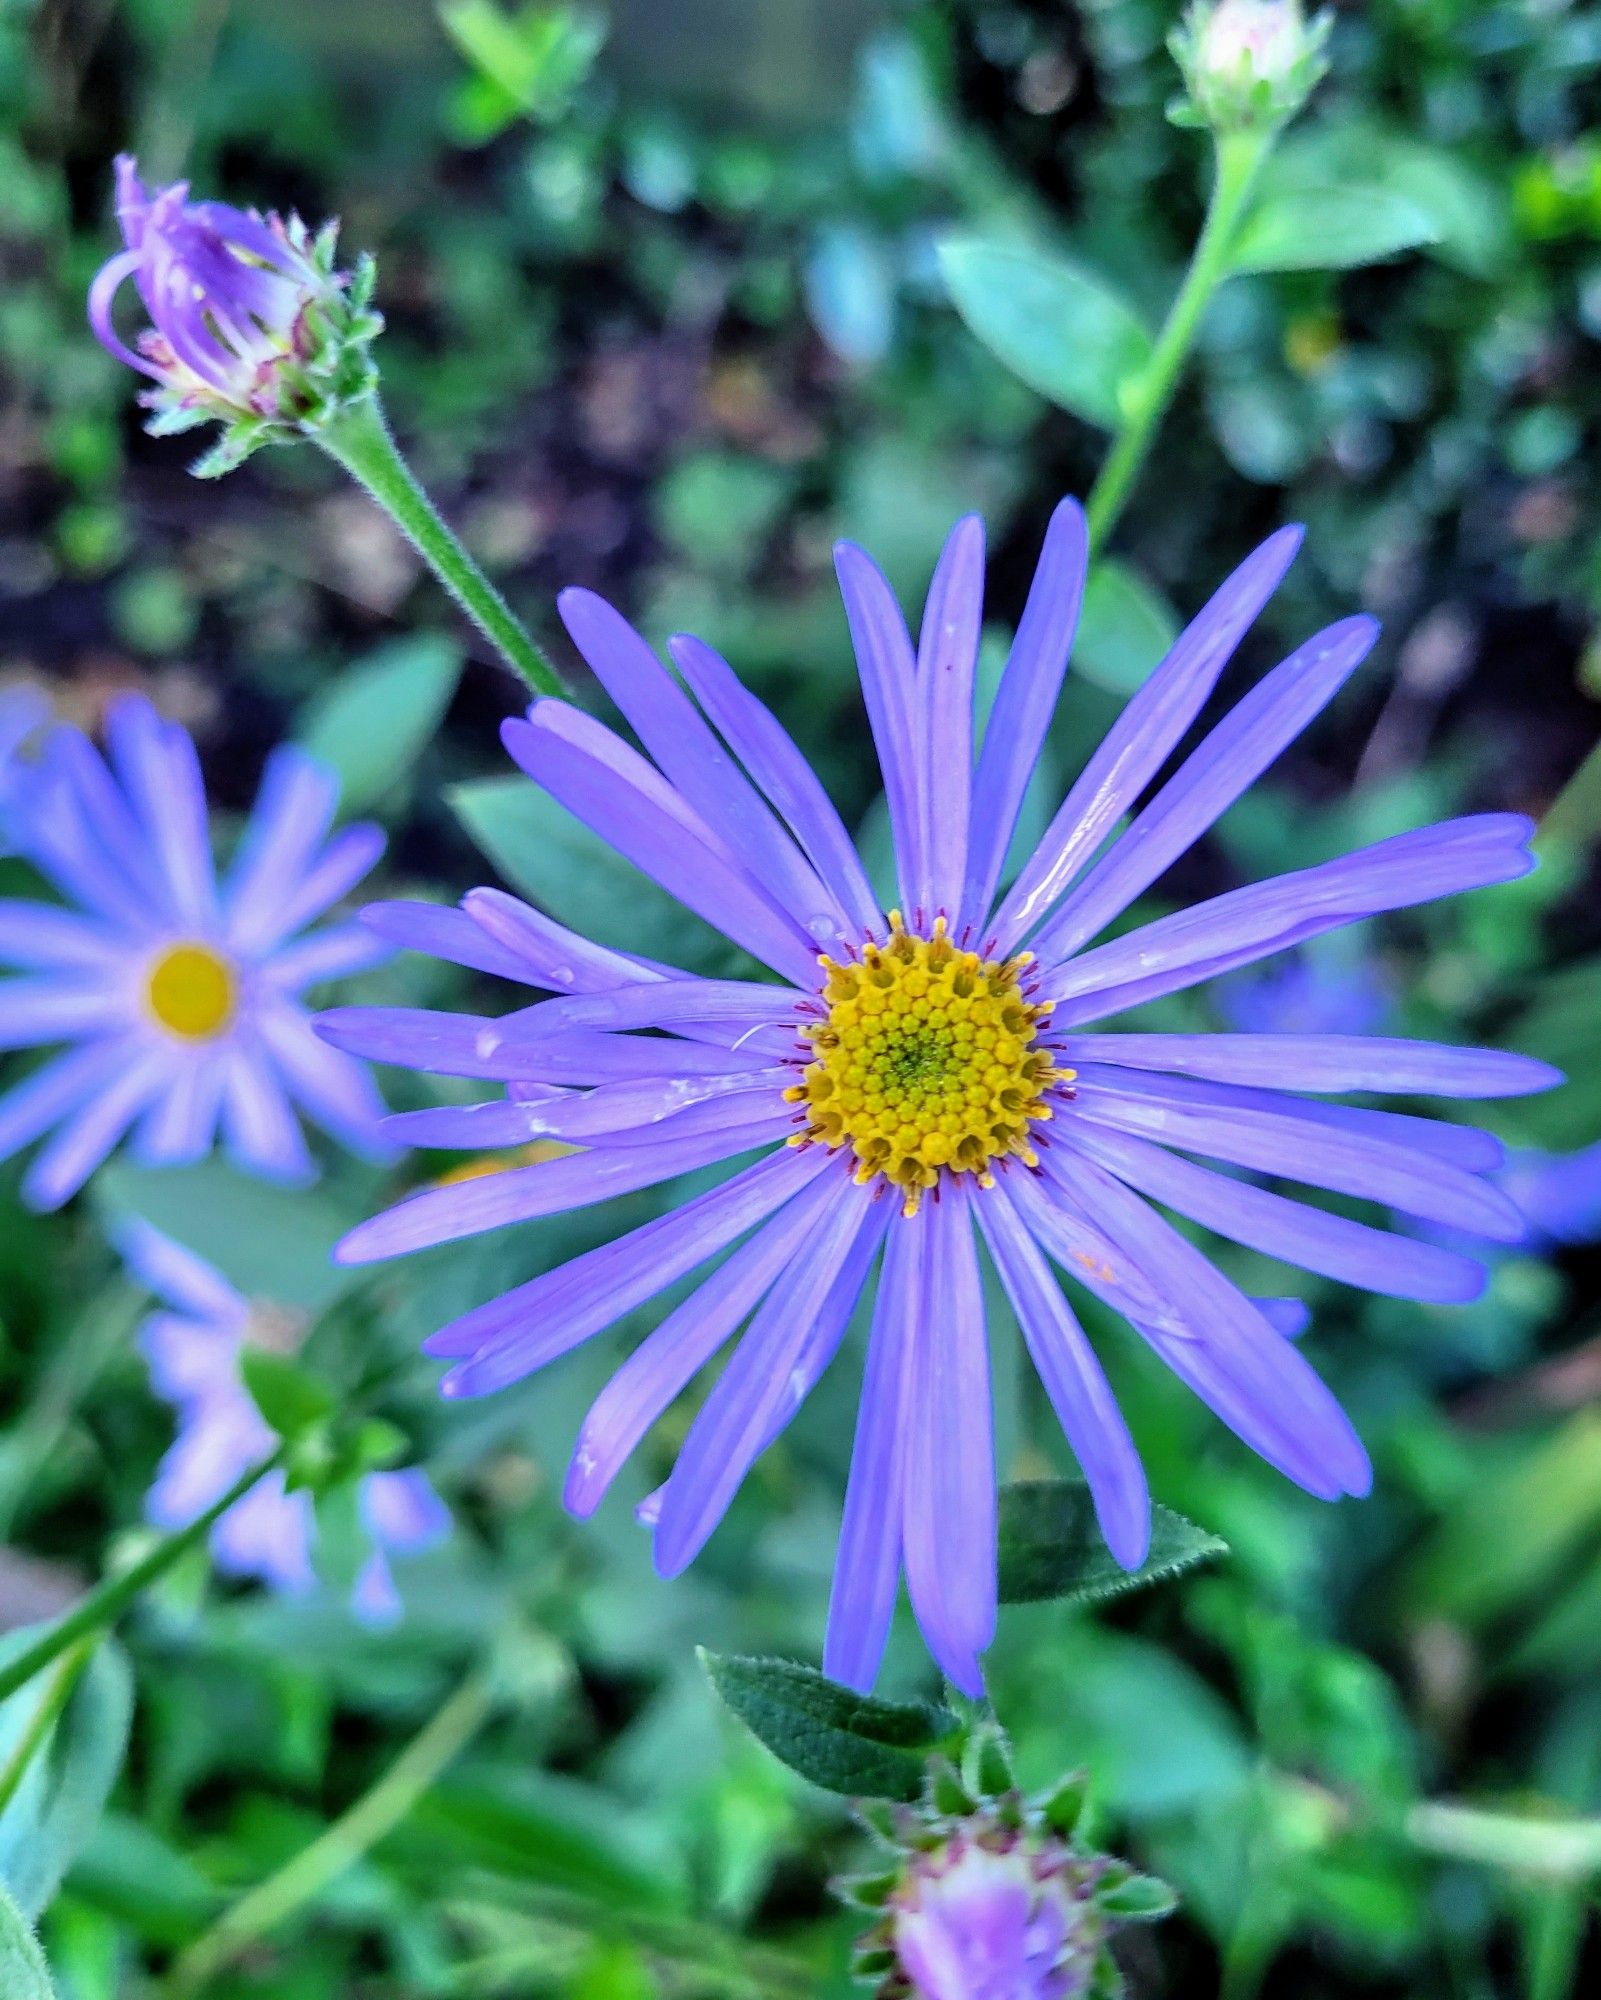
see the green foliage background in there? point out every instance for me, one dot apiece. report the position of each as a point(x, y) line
point(667, 315)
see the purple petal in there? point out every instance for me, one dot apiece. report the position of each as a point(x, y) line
point(334, 1091)
point(731, 1427)
point(665, 1004)
point(59, 1088)
point(51, 1008)
point(1143, 737)
point(1225, 764)
point(448, 934)
point(1025, 701)
point(664, 1364)
point(667, 722)
point(472, 1128)
point(181, 1125)
point(947, 660)
point(1326, 1062)
point(949, 1500)
point(888, 670)
point(290, 820)
point(90, 1134)
point(177, 1274)
point(335, 953)
point(524, 1328)
point(1332, 1245)
point(157, 764)
point(622, 799)
point(39, 935)
point(348, 858)
point(402, 1511)
point(769, 754)
point(521, 1194)
point(259, 1129)
point(1234, 929)
point(1075, 1382)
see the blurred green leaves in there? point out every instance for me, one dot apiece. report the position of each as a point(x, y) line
point(373, 721)
point(1330, 229)
point(527, 63)
point(23, 1973)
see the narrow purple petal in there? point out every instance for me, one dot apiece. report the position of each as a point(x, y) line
point(59, 1088)
point(664, 1364)
point(1332, 1245)
point(335, 953)
point(473, 1045)
point(1143, 737)
point(41, 936)
point(622, 799)
point(523, 1329)
point(333, 1090)
point(259, 1128)
point(160, 771)
point(467, 1208)
point(947, 661)
point(770, 755)
point(290, 820)
point(888, 670)
point(1291, 1317)
point(181, 1126)
point(692, 760)
point(666, 1003)
point(472, 1128)
point(1326, 1062)
point(1223, 766)
point(348, 858)
point(1076, 1384)
point(1025, 701)
point(177, 1274)
point(1298, 1142)
point(731, 1426)
point(50, 1008)
point(949, 1505)
point(448, 934)
point(1243, 925)
point(90, 1133)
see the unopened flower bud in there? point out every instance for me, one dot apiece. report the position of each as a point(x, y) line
point(250, 325)
point(994, 1900)
point(1248, 64)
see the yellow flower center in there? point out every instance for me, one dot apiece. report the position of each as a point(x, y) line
point(191, 990)
point(927, 1061)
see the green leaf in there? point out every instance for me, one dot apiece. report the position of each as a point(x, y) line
point(23, 1973)
point(1330, 229)
point(1050, 1546)
point(291, 1399)
point(1124, 629)
point(61, 1792)
point(843, 1741)
point(1061, 330)
point(372, 722)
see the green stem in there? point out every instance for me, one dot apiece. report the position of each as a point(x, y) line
point(38, 1432)
point(44, 1718)
point(1239, 160)
point(1573, 818)
point(102, 1607)
point(350, 1836)
point(360, 440)
point(1564, 1849)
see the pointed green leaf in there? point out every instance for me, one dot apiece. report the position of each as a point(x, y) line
point(373, 722)
point(843, 1741)
point(1051, 1547)
point(291, 1399)
point(23, 1973)
point(1139, 1899)
point(1124, 629)
point(1330, 229)
point(1060, 329)
point(61, 1747)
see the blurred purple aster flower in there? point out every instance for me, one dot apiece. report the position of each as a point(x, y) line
point(1307, 995)
point(193, 1347)
point(250, 323)
point(23, 713)
point(926, 1080)
point(1558, 1194)
point(179, 996)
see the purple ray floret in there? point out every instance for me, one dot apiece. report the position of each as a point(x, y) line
point(912, 1091)
point(178, 995)
point(193, 1345)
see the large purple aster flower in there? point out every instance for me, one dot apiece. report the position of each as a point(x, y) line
point(180, 996)
point(193, 1346)
point(932, 1078)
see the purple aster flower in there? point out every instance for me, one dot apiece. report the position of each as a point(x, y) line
point(193, 1347)
point(23, 713)
point(178, 995)
point(936, 1078)
point(249, 321)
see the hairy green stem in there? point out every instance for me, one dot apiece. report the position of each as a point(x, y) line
point(100, 1610)
point(343, 1843)
point(57, 1694)
point(360, 440)
point(1239, 160)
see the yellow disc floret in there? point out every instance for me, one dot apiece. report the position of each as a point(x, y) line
point(191, 991)
point(927, 1061)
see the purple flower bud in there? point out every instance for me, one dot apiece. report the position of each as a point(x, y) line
point(250, 323)
point(991, 1916)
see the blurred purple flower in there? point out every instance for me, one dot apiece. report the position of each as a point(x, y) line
point(193, 1348)
point(942, 1055)
point(1558, 1194)
point(23, 712)
point(179, 996)
point(977, 1924)
point(1307, 996)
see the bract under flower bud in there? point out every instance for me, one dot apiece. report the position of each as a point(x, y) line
point(250, 325)
point(1248, 64)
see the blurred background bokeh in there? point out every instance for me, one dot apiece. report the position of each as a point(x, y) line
point(665, 318)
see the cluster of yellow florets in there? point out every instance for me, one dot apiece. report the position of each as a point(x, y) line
point(926, 1062)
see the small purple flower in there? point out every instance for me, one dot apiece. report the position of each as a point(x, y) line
point(249, 321)
point(179, 995)
point(976, 1924)
point(924, 1081)
point(23, 713)
point(193, 1347)
point(1558, 1194)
